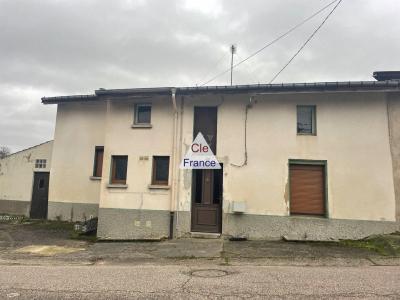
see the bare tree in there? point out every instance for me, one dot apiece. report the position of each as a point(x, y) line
point(4, 151)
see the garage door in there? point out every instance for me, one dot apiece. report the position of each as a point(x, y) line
point(307, 189)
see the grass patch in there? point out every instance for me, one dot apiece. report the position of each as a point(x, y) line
point(83, 237)
point(225, 258)
point(388, 245)
point(55, 225)
point(49, 225)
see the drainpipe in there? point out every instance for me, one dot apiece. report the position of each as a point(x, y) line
point(174, 163)
point(179, 157)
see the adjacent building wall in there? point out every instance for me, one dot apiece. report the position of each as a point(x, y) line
point(16, 178)
point(73, 193)
point(138, 210)
point(394, 126)
point(352, 136)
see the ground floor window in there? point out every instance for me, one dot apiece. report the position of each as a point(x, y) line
point(98, 161)
point(160, 170)
point(119, 166)
point(307, 188)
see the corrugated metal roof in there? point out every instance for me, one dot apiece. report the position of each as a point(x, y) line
point(388, 86)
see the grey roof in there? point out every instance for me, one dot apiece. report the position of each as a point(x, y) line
point(385, 86)
point(72, 98)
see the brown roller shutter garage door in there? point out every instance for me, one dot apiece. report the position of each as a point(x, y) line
point(307, 189)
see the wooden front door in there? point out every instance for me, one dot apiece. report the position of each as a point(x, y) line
point(207, 200)
point(207, 184)
point(40, 193)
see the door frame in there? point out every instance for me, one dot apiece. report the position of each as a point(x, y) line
point(213, 146)
point(220, 205)
point(33, 188)
point(323, 163)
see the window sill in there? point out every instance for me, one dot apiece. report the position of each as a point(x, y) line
point(159, 187)
point(307, 134)
point(95, 178)
point(117, 186)
point(141, 126)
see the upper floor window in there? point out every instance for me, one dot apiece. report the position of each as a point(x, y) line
point(98, 161)
point(306, 120)
point(119, 166)
point(40, 164)
point(160, 170)
point(142, 114)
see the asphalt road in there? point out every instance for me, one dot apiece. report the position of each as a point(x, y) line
point(211, 282)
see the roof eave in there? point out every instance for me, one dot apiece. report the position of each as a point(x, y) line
point(67, 99)
point(348, 86)
point(161, 91)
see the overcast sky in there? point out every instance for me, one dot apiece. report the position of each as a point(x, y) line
point(63, 47)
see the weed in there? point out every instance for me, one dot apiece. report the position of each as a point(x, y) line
point(83, 237)
point(386, 245)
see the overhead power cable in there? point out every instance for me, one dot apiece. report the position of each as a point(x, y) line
point(305, 43)
point(216, 65)
point(273, 41)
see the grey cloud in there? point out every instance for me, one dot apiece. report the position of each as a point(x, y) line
point(66, 47)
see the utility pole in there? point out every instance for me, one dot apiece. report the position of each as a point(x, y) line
point(233, 51)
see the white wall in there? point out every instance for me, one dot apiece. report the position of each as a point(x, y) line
point(352, 135)
point(79, 128)
point(137, 143)
point(16, 172)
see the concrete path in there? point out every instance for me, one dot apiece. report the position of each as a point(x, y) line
point(36, 245)
point(202, 282)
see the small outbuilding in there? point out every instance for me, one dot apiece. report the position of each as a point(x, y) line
point(24, 181)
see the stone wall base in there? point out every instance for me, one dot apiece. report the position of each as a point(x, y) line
point(126, 224)
point(68, 211)
point(132, 224)
point(15, 207)
point(302, 228)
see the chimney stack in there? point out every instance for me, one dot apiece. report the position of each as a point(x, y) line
point(386, 75)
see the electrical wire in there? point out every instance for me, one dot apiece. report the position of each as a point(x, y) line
point(216, 65)
point(250, 71)
point(305, 43)
point(273, 41)
point(244, 163)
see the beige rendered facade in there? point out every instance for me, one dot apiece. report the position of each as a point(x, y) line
point(17, 173)
point(355, 142)
point(73, 193)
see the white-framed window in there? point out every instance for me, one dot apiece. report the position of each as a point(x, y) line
point(40, 163)
point(142, 114)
